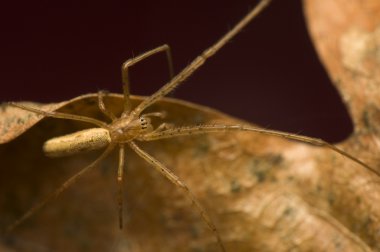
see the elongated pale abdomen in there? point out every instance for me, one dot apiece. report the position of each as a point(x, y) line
point(81, 141)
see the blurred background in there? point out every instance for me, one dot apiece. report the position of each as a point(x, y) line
point(269, 74)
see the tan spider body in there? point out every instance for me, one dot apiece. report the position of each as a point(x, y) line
point(133, 126)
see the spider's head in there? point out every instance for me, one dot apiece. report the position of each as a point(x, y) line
point(124, 130)
point(145, 124)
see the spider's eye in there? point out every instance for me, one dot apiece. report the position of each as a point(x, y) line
point(143, 123)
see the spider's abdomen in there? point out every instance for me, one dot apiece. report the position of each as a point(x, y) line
point(81, 141)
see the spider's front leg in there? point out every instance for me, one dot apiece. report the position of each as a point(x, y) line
point(125, 72)
point(204, 129)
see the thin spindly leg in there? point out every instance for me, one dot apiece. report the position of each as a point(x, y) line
point(125, 71)
point(120, 179)
point(204, 129)
point(61, 115)
point(175, 180)
point(57, 192)
point(102, 106)
point(200, 60)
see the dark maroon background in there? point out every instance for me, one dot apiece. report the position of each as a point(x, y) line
point(269, 74)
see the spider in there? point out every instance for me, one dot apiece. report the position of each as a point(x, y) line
point(135, 126)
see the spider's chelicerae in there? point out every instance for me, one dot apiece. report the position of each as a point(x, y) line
point(135, 126)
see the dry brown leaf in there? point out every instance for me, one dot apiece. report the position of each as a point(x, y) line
point(263, 193)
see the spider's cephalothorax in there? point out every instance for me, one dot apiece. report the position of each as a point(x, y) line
point(127, 129)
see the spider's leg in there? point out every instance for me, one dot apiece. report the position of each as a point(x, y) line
point(58, 191)
point(200, 60)
point(176, 181)
point(120, 180)
point(60, 115)
point(102, 106)
point(127, 64)
point(204, 129)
